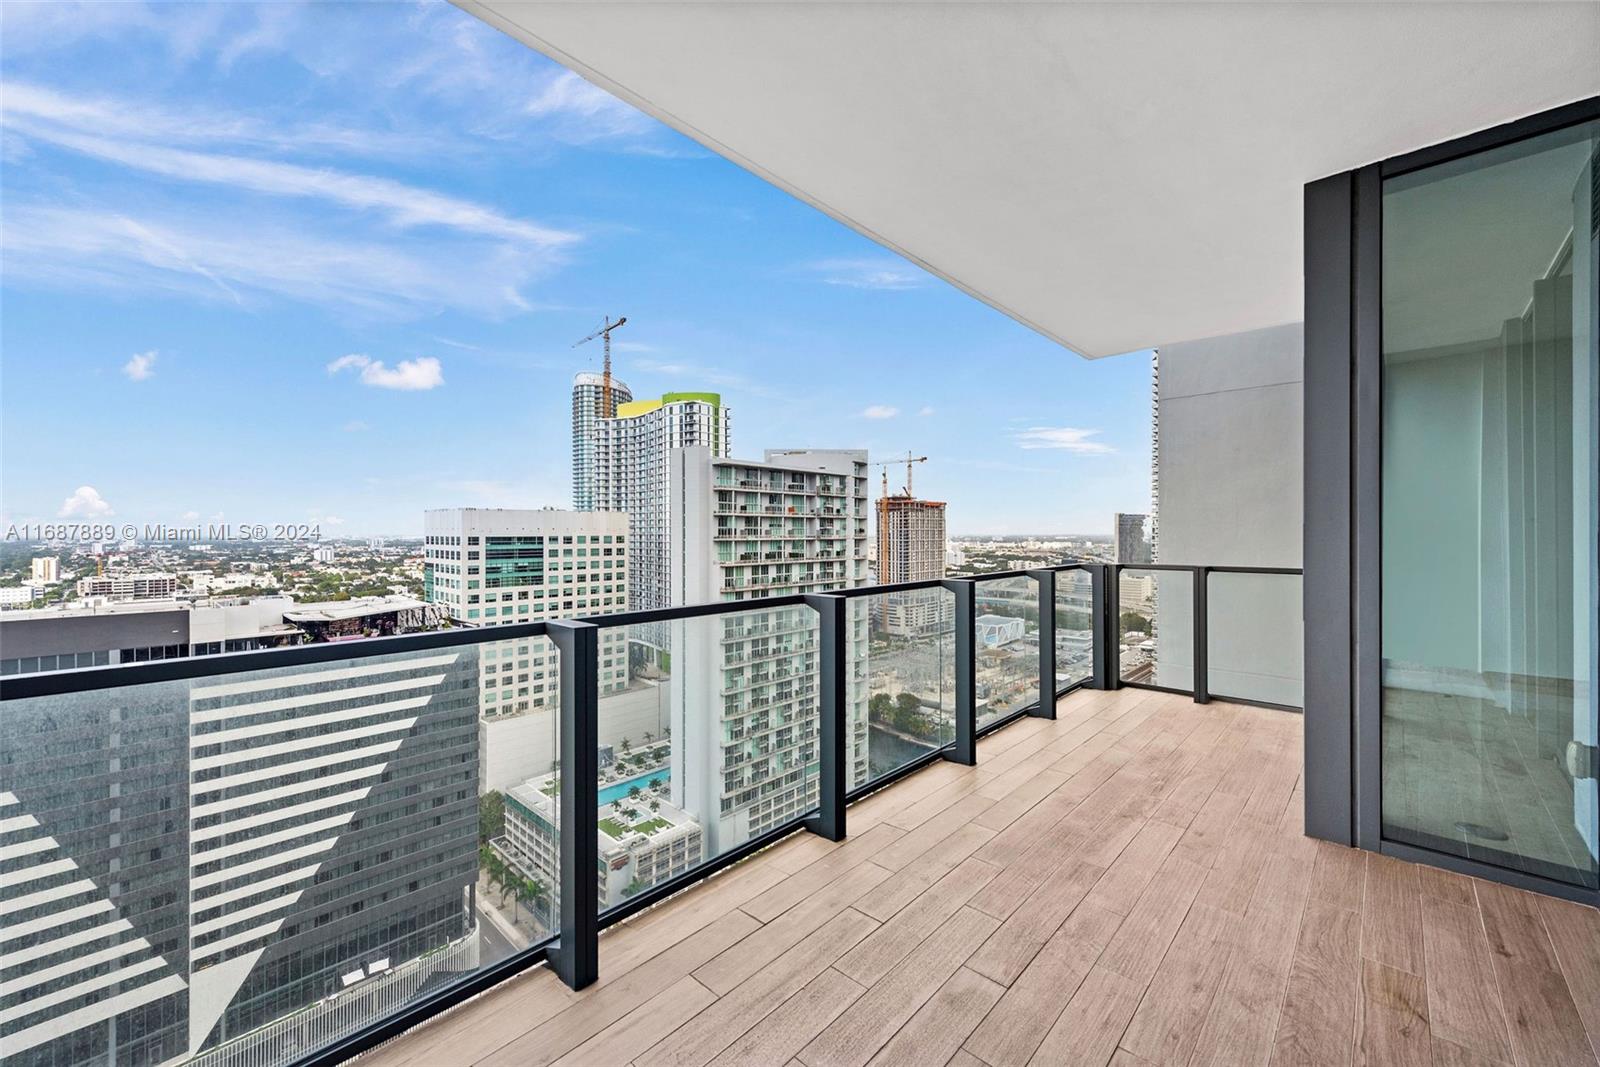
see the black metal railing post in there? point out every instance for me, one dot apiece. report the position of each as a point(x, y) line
point(1046, 708)
point(1110, 623)
point(575, 956)
point(965, 749)
point(833, 698)
point(1099, 679)
point(1202, 680)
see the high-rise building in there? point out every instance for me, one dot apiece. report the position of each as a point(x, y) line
point(45, 569)
point(498, 566)
point(588, 408)
point(911, 548)
point(1132, 546)
point(631, 475)
point(179, 877)
point(743, 696)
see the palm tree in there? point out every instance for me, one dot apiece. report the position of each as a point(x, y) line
point(655, 806)
point(627, 745)
point(534, 893)
point(496, 868)
point(634, 792)
point(530, 892)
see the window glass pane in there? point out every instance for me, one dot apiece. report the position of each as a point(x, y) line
point(1074, 628)
point(1255, 637)
point(300, 850)
point(1006, 644)
point(1155, 627)
point(1489, 536)
point(708, 739)
point(910, 674)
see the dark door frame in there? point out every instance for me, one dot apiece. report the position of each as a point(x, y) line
point(1342, 539)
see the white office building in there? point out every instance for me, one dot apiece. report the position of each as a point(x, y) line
point(45, 569)
point(500, 566)
point(20, 596)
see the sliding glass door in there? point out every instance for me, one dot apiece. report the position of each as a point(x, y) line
point(1489, 493)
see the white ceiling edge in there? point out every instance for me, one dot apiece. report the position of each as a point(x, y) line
point(1369, 112)
point(487, 13)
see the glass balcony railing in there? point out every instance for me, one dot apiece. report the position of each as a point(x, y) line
point(288, 856)
point(1007, 625)
point(1255, 637)
point(1074, 626)
point(906, 642)
point(1155, 612)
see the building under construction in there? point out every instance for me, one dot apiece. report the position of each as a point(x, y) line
point(911, 542)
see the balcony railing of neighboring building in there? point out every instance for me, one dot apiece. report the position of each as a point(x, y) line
point(283, 752)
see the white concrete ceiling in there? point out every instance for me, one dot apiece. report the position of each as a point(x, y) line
point(1116, 176)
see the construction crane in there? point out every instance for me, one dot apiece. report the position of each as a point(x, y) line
point(908, 461)
point(607, 408)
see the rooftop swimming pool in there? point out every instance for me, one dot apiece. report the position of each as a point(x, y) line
point(610, 794)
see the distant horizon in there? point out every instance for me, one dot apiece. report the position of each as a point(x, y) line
point(348, 535)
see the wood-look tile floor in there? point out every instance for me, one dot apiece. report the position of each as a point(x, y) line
point(1126, 885)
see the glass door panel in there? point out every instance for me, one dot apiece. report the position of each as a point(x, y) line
point(1489, 495)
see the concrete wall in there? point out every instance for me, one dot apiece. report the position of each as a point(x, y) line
point(518, 747)
point(49, 633)
point(1230, 494)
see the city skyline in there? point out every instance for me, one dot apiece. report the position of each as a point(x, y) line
point(353, 318)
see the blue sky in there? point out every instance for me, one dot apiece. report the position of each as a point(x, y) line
point(326, 262)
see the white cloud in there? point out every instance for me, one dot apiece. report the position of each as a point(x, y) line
point(141, 366)
point(41, 110)
point(873, 273)
point(424, 372)
point(85, 503)
point(227, 256)
point(880, 411)
point(355, 426)
point(374, 242)
point(925, 411)
point(586, 109)
point(1066, 438)
point(190, 516)
point(404, 205)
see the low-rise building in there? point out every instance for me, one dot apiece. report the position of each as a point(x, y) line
point(129, 586)
point(996, 630)
point(643, 840)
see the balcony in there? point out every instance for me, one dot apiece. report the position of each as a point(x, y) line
point(1128, 883)
point(995, 880)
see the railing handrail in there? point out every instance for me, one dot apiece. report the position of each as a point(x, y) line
point(111, 676)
